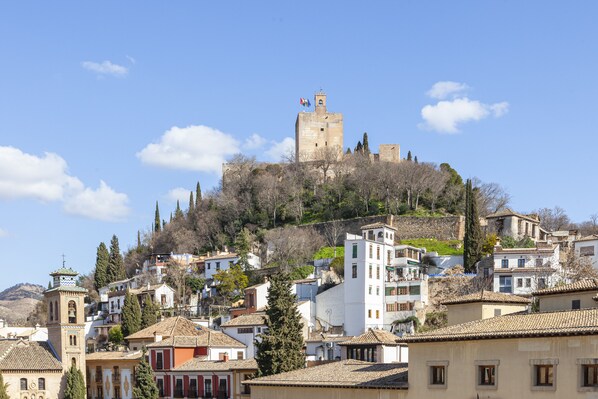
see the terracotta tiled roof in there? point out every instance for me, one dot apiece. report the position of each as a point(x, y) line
point(588, 238)
point(487, 296)
point(115, 355)
point(346, 373)
point(18, 355)
point(373, 337)
point(377, 226)
point(222, 256)
point(196, 364)
point(318, 336)
point(168, 328)
point(516, 325)
point(145, 289)
point(534, 250)
point(252, 319)
point(209, 338)
point(510, 212)
point(579, 286)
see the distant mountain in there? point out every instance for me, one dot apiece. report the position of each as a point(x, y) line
point(22, 291)
point(18, 301)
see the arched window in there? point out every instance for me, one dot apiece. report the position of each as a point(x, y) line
point(72, 312)
point(56, 311)
point(320, 102)
point(23, 384)
point(51, 311)
point(74, 362)
point(41, 384)
point(74, 340)
point(70, 340)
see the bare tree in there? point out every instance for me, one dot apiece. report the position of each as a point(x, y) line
point(270, 192)
point(576, 268)
point(292, 246)
point(325, 158)
point(492, 197)
point(553, 219)
point(332, 232)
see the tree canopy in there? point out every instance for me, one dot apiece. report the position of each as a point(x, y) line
point(131, 315)
point(145, 386)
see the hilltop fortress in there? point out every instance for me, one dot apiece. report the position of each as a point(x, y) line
point(319, 135)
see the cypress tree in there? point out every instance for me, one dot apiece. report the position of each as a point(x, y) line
point(3, 388)
point(348, 151)
point(131, 315)
point(197, 196)
point(281, 347)
point(358, 148)
point(366, 145)
point(100, 276)
point(157, 219)
point(138, 240)
point(415, 159)
point(149, 314)
point(75, 385)
point(191, 204)
point(116, 265)
point(145, 386)
point(472, 241)
point(178, 213)
point(49, 285)
point(409, 156)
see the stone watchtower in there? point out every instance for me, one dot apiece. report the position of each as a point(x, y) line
point(66, 320)
point(318, 134)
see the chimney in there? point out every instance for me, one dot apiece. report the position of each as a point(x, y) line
point(157, 337)
point(225, 357)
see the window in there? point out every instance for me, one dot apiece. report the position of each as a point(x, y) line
point(116, 374)
point(239, 355)
point(160, 383)
point(116, 392)
point(414, 290)
point(504, 283)
point(245, 330)
point(519, 283)
point(504, 263)
point(222, 389)
point(521, 262)
point(51, 311)
point(576, 304)
point(192, 388)
point(378, 272)
point(544, 374)
point(371, 251)
point(377, 314)
point(541, 283)
point(23, 384)
point(246, 387)
point(98, 373)
point(365, 353)
point(437, 374)
point(217, 265)
point(370, 290)
point(528, 282)
point(586, 251)
point(497, 312)
point(378, 252)
point(487, 374)
point(72, 312)
point(388, 257)
point(354, 251)
point(589, 375)
point(354, 270)
point(370, 271)
point(208, 388)
point(178, 388)
point(159, 360)
point(369, 313)
point(377, 290)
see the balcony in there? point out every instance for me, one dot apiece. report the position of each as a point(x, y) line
point(192, 394)
point(116, 377)
point(178, 393)
point(98, 377)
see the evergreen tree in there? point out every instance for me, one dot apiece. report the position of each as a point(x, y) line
point(348, 151)
point(472, 241)
point(3, 388)
point(145, 386)
point(197, 196)
point(149, 314)
point(75, 384)
point(358, 148)
point(115, 335)
point(131, 315)
point(49, 285)
point(191, 204)
point(116, 266)
point(100, 276)
point(178, 213)
point(409, 156)
point(231, 283)
point(157, 219)
point(366, 144)
point(281, 347)
point(415, 159)
point(243, 247)
point(138, 241)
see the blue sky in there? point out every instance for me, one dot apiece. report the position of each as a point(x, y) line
point(96, 97)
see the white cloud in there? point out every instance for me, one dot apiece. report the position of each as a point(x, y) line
point(179, 194)
point(197, 148)
point(3, 233)
point(254, 142)
point(282, 149)
point(28, 176)
point(101, 204)
point(131, 59)
point(444, 89)
point(46, 179)
point(105, 68)
point(499, 109)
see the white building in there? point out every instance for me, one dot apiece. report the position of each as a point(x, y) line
point(224, 260)
point(366, 257)
point(509, 223)
point(330, 307)
point(588, 246)
point(246, 329)
point(521, 271)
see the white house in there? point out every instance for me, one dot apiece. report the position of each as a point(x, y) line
point(224, 260)
point(330, 307)
point(588, 247)
point(366, 257)
point(506, 222)
point(246, 329)
point(521, 271)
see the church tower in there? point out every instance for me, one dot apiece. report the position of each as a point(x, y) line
point(66, 319)
point(318, 134)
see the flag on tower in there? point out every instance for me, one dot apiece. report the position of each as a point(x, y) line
point(304, 102)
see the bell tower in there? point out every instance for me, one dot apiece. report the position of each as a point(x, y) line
point(66, 320)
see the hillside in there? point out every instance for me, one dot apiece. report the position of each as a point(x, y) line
point(18, 301)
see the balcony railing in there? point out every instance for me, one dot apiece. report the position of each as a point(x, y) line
point(178, 393)
point(192, 394)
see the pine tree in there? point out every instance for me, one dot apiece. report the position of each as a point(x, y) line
point(178, 213)
point(366, 145)
point(157, 219)
point(145, 386)
point(409, 155)
point(138, 241)
point(415, 159)
point(348, 151)
point(472, 241)
point(358, 148)
point(191, 205)
point(131, 315)
point(100, 276)
point(149, 314)
point(75, 384)
point(281, 347)
point(243, 247)
point(49, 285)
point(116, 265)
point(197, 196)
point(3, 388)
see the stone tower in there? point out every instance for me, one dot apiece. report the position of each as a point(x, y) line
point(318, 134)
point(66, 320)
